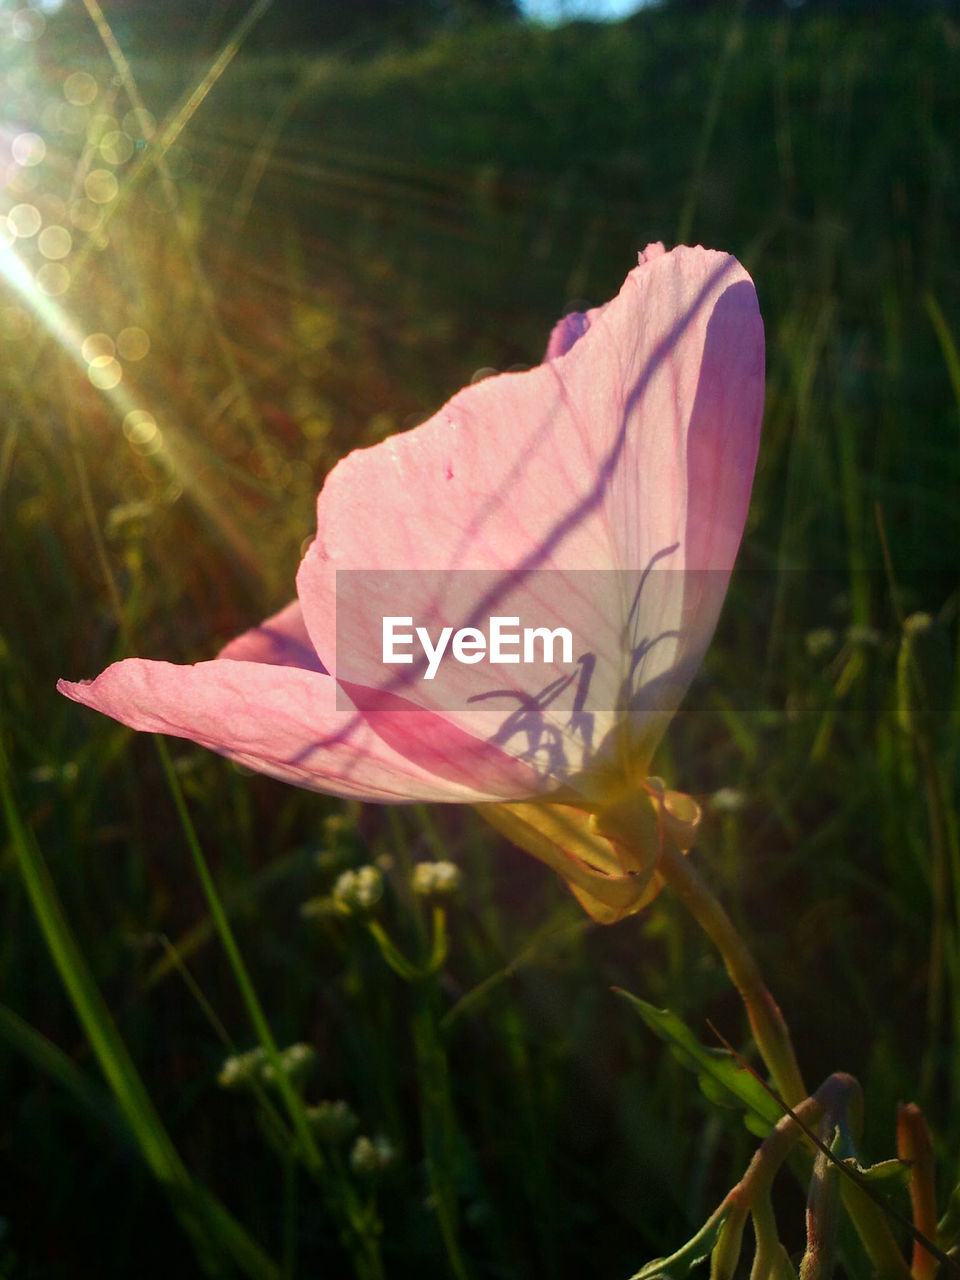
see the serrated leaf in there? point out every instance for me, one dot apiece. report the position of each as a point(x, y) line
point(696, 1250)
point(721, 1078)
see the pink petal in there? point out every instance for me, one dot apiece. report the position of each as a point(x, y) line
point(575, 324)
point(283, 721)
point(281, 641)
point(570, 330)
point(633, 450)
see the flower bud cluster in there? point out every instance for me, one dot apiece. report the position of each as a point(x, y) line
point(917, 623)
point(372, 1155)
point(242, 1070)
point(728, 800)
point(435, 879)
point(333, 1121)
point(296, 1062)
point(357, 892)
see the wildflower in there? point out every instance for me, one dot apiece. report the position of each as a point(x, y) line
point(612, 481)
point(296, 1062)
point(372, 1155)
point(435, 879)
point(728, 800)
point(917, 623)
point(358, 892)
point(242, 1069)
point(333, 1120)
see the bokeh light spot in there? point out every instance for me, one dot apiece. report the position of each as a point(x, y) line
point(55, 242)
point(133, 343)
point(100, 125)
point(116, 147)
point(28, 149)
point(95, 345)
point(140, 428)
point(105, 372)
point(24, 220)
point(27, 24)
point(80, 88)
point(101, 186)
point(53, 279)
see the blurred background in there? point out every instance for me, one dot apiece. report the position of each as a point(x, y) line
point(237, 242)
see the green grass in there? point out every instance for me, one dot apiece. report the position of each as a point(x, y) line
point(330, 248)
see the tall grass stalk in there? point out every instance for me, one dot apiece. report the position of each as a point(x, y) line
point(216, 1235)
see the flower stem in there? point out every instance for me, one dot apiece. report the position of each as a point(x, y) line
point(915, 1146)
point(773, 1041)
point(766, 1021)
point(439, 1124)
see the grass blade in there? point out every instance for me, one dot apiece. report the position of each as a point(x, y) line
point(217, 1236)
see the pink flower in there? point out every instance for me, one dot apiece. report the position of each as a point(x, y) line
point(611, 482)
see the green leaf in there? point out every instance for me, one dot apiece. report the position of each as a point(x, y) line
point(699, 1247)
point(887, 1175)
point(49, 1058)
point(721, 1078)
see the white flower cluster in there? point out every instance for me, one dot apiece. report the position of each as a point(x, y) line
point(358, 891)
point(435, 879)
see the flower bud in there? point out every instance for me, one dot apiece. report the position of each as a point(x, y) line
point(241, 1069)
point(296, 1062)
point(358, 892)
point(372, 1155)
point(917, 622)
point(728, 800)
point(435, 879)
point(333, 1121)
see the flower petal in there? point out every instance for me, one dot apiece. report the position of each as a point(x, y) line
point(283, 721)
point(634, 450)
point(281, 641)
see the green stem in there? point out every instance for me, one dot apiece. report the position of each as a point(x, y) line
point(398, 962)
point(874, 1232)
point(294, 1103)
point(773, 1040)
point(770, 1260)
point(439, 1123)
point(822, 1208)
point(766, 1021)
point(359, 1222)
point(752, 1192)
point(915, 1147)
point(392, 954)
